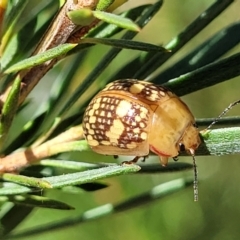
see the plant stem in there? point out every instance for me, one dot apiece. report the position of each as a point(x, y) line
point(215, 142)
point(58, 33)
point(64, 142)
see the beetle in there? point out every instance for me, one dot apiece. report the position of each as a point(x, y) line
point(133, 117)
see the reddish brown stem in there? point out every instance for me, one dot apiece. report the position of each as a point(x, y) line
point(15, 161)
point(58, 33)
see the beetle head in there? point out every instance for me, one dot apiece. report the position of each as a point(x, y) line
point(190, 139)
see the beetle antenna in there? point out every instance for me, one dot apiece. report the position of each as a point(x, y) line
point(223, 113)
point(195, 183)
point(195, 176)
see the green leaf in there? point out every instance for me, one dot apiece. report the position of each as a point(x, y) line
point(81, 17)
point(104, 4)
point(90, 175)
point(208, 51)
point(221, 141)
point(225, 121)
point(23, 207)
point(59, 91)
point(206, 76)
point(105, 30)
point(41, 58)
point(156, 193)
point(88, 187)
point(20, 36)
point(93, 186)
point(27, 35)
point(12, 14)
point(158, 168)
point(13, 217)
point(120, 21)
point(28, 131)
point(132, 67)
point(38, 201)
point(78, 166)
point(126, 44)
point(9, 109)
point(18, 46)
point(8, 188)
point(217, 142)
point(26, 181)
point(68, 147)
point(183, 38)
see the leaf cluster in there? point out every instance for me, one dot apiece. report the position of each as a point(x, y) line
point(30, 48)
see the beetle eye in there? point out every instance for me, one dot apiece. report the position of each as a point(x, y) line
point(181, 147)
point(195, 125)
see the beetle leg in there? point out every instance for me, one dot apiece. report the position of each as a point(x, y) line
point(175, 158)
point(135, 160)
point(144, 158)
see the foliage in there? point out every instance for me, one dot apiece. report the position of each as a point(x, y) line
point(36, 150)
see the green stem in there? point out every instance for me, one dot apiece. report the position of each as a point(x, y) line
point(221, 141)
